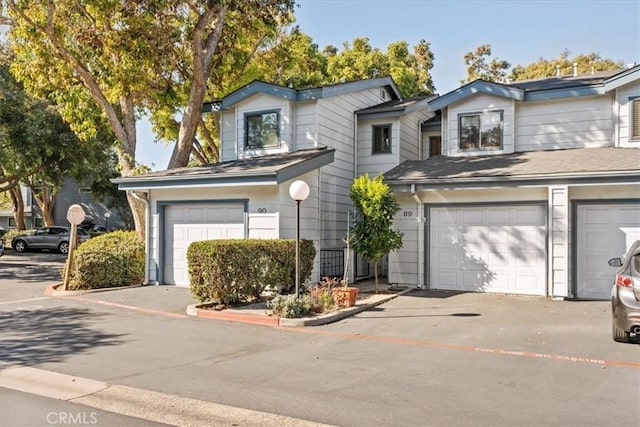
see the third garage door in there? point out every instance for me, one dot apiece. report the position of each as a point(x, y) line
point(493, 248)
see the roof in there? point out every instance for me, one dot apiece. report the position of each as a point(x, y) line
point(271, 169)
point(396, 107)
point(543, 89)
point(535, 167)
point(302, 94)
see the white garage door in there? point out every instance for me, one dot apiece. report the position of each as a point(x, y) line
point(488, 249)
point(185, 224)
point(603, 232)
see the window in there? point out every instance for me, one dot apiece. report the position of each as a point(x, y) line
point(262, 130)
point(12, 222)
point(435, 145)
point(382, 139)
point(38, 222)
point(480, 131)
point(635, 118)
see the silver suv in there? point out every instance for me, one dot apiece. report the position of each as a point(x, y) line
point(56, 238)
point(625, 295)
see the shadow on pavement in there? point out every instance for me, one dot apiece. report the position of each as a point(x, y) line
point(30, 337)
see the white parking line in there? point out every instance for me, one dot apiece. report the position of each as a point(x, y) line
point(23, 300)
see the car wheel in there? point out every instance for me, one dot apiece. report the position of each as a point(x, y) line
point(64, 248)
point(620, 335)
point(19, 246)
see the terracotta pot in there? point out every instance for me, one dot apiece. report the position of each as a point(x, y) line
point(344, 297)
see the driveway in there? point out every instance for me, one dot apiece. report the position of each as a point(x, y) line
point(424, 358)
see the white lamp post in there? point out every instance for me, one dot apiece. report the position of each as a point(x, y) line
point(107, 215)
point(299, 191)
point(75, 216)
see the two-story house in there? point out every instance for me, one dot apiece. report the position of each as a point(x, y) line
point(271, 136)
point(528, 188)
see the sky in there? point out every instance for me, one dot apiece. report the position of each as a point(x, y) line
point(519, 31)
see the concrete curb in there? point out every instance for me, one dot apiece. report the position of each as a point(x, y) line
point(270, 320)
point(54, 291)
point(134, 402)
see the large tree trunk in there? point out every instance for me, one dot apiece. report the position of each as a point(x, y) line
point(127, 163)
point(18, 206)
point(46, 199)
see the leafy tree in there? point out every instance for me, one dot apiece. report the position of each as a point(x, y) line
point(128, 57)
point(371, 234)
point(479, 65)
point(411, 71)
point(542, 68)
point(37, 147)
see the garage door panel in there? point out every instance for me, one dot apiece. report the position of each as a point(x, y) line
point(494, 246)
point(603, 231)
point(187, 224)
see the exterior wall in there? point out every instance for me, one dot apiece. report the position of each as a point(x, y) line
point(407, 265)
point(411, 135)
point(335, 120)
point(233, 126)
point(480, 103)
point(580, 122)
point(266, 204)
point(71, 193)
point(306, 125)
point(622, 114)
point(375, 164)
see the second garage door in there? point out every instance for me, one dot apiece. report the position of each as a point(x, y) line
point(184, 224)
point(603, 231)
point(494, 248)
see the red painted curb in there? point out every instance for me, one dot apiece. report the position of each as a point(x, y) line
point(51, 289)
point(239, 317)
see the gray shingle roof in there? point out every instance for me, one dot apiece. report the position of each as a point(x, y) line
point(279, 166)
point(580, 162)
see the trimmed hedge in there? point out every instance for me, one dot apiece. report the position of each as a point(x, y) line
point(108, 261)
point(233, 271)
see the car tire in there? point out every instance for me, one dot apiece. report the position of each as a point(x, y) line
point(64, 248)
point(19, 246)
point(620, 335)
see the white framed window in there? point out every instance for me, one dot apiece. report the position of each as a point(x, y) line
point(634, 122)
point(262, 129)
point(480, 131)
point(381, 139)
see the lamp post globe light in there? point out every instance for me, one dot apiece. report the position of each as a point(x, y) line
point(299, 191)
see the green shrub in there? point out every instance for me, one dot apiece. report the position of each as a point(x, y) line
point(290, 307)
point(232, 271)
point(108, 261)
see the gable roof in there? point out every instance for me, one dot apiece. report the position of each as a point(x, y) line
point(543, 89)
point(303, 94)
point(396, 107)
point(271, 169)
point(533, 167)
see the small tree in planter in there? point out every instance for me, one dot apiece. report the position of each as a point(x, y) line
point(371, 233)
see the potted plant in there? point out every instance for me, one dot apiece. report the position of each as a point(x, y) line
point(345, 295)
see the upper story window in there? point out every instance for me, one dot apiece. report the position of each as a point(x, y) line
point(635, 118)
point(262, 129)
point(381, 139)
point(480, 131)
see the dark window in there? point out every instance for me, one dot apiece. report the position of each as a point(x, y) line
point(262, 130)
point(480, 131)
point(635, 118)
point(435, 145)
point(38, 222)
point(381, 139)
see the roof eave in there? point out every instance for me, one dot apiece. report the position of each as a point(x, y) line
point(477, 86)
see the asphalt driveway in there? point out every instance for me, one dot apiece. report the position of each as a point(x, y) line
point(423, 358)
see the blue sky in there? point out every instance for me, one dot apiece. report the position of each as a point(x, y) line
point(519, 31)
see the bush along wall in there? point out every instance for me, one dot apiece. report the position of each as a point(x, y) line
point(234, 271)
point(111, 260)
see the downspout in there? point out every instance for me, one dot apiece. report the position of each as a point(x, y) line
point(420, 263)
point(355, 145)
point(144, 199)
